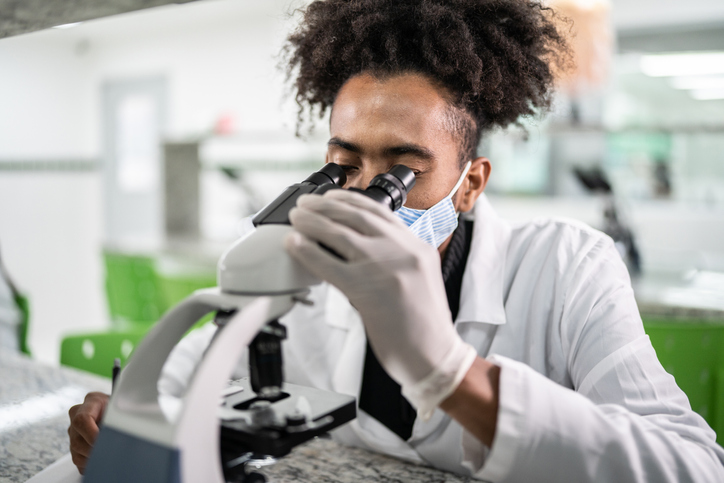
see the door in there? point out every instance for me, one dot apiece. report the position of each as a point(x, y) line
point(134, 115)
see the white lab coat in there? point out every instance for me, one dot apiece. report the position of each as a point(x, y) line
point(582, 394)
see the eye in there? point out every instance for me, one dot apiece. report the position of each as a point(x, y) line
point(416, 172)
point(348, 169)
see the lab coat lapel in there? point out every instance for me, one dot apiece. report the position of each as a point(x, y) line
point(481, 302)
point(347, 375)
point(482, 298)
point(363, 431)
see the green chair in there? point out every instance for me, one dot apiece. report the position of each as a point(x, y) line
point(24, 306)
point(137, 298)
point(21, 301)
point(176, 287)
point(133, 290)
point(96, 352)
point(693, 352)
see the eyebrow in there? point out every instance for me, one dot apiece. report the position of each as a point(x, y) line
point(344, 145)
point(407, 148)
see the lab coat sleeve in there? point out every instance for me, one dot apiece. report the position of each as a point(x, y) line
point(624, 421)
point(185, 357)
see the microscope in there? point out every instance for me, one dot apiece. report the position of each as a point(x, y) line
point(219, 429)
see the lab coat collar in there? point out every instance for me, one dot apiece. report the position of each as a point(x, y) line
point(482, 299)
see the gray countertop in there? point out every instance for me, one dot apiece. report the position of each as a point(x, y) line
point(34, 402)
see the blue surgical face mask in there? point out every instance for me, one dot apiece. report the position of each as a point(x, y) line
point(436, 223)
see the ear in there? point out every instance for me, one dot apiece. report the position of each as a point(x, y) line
point(473, 185)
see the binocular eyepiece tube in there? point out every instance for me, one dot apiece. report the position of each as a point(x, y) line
point(388, 188)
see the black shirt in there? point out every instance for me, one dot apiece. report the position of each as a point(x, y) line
point(380, 396)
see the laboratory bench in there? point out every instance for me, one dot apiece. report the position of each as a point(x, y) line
point(34, 402)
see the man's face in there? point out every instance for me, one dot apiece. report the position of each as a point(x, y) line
point(376, 124)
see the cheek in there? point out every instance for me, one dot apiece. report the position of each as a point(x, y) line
point(424, 195)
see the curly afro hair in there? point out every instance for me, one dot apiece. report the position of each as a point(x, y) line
point(496, 58)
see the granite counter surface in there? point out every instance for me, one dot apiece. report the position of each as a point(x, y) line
point(34, 402)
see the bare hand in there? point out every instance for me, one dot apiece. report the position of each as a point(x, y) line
point(83, 431)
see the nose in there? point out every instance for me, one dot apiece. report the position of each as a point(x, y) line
point(364, 178)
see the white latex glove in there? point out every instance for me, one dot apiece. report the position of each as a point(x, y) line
point(394, 280)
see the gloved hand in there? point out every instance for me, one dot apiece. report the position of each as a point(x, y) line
point(394, 280)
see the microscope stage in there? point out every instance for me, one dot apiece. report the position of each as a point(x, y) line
point(274, 427)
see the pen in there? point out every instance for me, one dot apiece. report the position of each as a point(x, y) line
point(116, 371)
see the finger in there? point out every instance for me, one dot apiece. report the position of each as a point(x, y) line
point(73, 410)
point(352, 198)
point(78, 445)
point(95, 404)
point(319, 228)
point(362, 220)
point(314, 258)
point(85, 427)
point(361, 201)
point(79, 461)
point(85, 418)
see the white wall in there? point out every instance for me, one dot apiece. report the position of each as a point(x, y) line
point(50, 222)
point(50, 235)
point(218, 57)
point(46, 98)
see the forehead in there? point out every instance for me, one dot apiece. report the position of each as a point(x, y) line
point(403, 108)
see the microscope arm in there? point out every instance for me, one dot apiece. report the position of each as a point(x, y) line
point(154, 449)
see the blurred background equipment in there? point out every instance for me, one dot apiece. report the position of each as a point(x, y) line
point(595, 181)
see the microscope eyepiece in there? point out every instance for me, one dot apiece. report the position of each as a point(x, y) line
point(330, 173)
point(391, 188)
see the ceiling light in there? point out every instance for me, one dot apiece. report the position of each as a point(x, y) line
point(698, 82)
point(685, 64)
point(707, 94)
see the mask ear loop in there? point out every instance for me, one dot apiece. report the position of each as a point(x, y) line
point(462, 178)
point(460, 181)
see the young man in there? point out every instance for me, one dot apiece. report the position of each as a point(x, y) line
point(508, 352)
